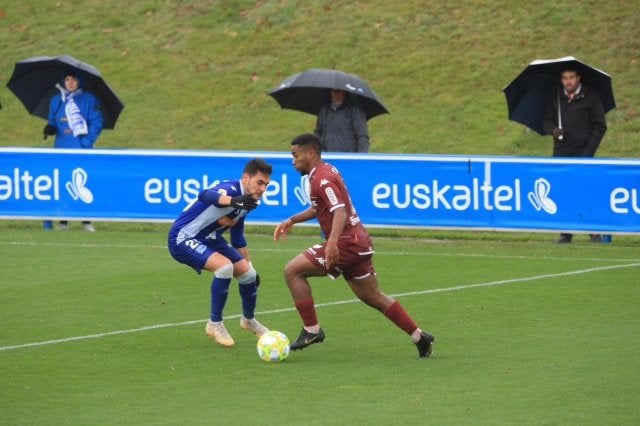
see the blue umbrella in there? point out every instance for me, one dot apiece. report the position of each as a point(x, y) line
point(529, 93)
point(33, 82)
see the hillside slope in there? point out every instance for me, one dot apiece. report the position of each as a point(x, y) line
point(195, 74)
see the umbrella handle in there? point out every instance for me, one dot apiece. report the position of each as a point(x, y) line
point(559, 114)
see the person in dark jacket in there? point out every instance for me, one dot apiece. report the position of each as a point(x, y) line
point(342, 124)
point(580, 125)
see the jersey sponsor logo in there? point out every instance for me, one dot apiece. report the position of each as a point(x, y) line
point(331, 196)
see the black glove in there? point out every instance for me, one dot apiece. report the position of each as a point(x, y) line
point(557, 133)
point(257, 280)
point(49, 130)
point(244, 202)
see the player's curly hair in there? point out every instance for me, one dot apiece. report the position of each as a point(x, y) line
point(308, 140)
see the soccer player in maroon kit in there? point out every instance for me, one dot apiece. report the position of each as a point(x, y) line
point(348, 250)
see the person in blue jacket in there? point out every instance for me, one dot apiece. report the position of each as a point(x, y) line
point(75, 120)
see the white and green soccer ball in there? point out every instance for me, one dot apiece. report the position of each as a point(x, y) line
point(273, 346)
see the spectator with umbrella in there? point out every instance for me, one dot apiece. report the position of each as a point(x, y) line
point(74, 114)
point(72, 96)
point(567, 99)
point(343, 103)
point(341, 124)
point(75, 120)
point(575, 119)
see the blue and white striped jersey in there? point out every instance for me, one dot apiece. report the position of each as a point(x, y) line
point(202, 220)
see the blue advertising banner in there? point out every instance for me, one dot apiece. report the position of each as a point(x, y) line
point(422, 191)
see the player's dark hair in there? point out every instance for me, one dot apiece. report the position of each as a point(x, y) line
point(258, 165)
point(308, 140)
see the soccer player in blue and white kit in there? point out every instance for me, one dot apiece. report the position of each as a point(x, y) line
point(196, 239)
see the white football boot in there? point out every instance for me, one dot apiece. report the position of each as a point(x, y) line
point(253, 326)
point(219, 333)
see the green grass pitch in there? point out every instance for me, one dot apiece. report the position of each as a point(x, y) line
point(106, 328)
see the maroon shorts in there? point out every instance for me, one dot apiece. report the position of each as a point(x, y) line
point(354, 257)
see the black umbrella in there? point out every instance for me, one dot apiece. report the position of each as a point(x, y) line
point(33, 82)
point(308, 91)
point(528, 95)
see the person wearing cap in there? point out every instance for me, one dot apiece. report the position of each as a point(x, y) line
point(74, 119)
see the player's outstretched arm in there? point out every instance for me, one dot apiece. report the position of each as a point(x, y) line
point(283, 228)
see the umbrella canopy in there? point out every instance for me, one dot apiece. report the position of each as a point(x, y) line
point(33, 82)
point(527, 96)
point(307, 91)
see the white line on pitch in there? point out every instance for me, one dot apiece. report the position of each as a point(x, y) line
point(340, 302)
point(292, 250)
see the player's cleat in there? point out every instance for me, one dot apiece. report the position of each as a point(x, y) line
point(88, 227)
point(219, 333)
point(62, 227)
point(253, 326)
point(305, 339)
point(424, 344)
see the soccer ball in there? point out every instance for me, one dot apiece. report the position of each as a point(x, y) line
point(273, 346)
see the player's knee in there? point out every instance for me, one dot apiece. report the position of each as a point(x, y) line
point(295, 266)
point(290, 271)
point(248, 277)
point(225, 271)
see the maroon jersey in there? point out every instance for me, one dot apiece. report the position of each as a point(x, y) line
point(328, 192)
